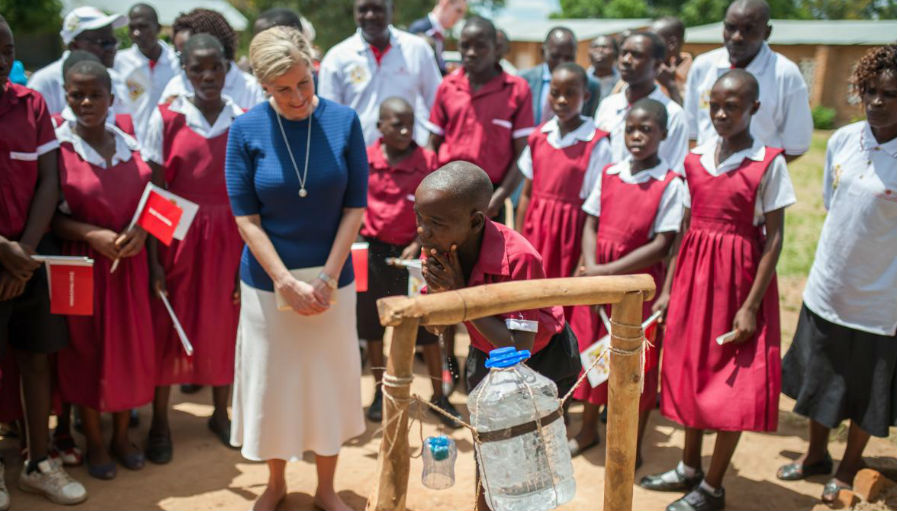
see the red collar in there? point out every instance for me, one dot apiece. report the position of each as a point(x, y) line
point(459, 79)
point(379, 54)
point(492, 257)
point(409, 164)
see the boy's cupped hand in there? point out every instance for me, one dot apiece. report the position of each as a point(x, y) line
point(443, 272)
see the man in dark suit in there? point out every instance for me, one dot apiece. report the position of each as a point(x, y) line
point(435, 25)
point(559, 46)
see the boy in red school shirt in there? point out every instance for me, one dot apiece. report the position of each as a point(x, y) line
point(29, 191)
point(462, 248)
point(396, 167)
point(481, 114)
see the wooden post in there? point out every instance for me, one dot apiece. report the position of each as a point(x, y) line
point(393, 457)
point(624, 399)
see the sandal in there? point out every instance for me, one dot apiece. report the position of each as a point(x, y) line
point(796, 471)
point(133, 460)
point(832, 488)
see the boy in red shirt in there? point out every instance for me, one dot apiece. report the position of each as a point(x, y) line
point(29, 191)
point(463, 248)
point(396, 167)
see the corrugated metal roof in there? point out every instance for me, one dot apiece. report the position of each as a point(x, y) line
point(167, 10)
point(585, 29)
point(834, 32)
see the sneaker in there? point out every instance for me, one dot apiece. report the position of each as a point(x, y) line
point(4, 492)
point(699, 499)
point(671, 480)
point(65, 449)
point(373, 413)
point(53, 483)
point(444, 404)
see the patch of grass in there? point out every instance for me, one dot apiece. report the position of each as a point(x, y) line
point(803, 221)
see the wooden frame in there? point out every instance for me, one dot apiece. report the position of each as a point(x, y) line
point(404, 315)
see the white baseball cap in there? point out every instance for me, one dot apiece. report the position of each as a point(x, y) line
point(88, 18)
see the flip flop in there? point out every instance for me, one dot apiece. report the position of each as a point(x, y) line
point(575, 449)
point(832, 488)
point(796, 471)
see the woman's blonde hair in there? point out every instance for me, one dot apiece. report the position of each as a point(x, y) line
point(275, 50)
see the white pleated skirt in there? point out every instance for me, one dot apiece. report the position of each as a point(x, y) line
point(296, 378)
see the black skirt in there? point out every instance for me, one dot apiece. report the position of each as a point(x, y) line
point(837, 373)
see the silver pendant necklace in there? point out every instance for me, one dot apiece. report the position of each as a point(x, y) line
point(302, 191)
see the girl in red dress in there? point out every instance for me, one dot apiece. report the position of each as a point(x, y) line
point(634, 213)
point(562, 161)
point(724, 283)
point(186, 146)
point(109, 364)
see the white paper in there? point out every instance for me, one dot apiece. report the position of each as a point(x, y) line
point(726, 338)
point(600, 372)
point(188, 208)
point(185, 343)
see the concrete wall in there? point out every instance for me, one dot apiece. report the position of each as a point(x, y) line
point(826, 69)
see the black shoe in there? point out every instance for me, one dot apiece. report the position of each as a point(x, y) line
point(159, 448)
point(444, 404)
point(134, 420)
point(223, 433)
point(656, 482)
point(373, 413)
point(699, 499)
point(190, 388)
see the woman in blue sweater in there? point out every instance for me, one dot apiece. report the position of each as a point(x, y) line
point(297, 173)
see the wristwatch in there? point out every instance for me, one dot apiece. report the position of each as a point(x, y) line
point(328, 280)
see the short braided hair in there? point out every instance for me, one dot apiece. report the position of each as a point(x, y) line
point(207, 21)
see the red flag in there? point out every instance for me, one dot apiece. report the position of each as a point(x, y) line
point(71, 289)
point(359, 254)
point(160, 217)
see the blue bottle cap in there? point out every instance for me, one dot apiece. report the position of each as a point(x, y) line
point(439, 446)
point(506, 357)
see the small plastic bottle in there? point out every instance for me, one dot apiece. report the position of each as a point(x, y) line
point(438, 460)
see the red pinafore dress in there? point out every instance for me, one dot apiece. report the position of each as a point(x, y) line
point(109, 364)
point(627, 213)
point(554, 220)
point(201, 269)
point(733, 387)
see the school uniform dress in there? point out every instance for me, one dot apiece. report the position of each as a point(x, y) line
point(296, 385)
point(784, 118)
point(110, 363)
point(240, 87)
point(26, 134)
point(630, 210)
point(843, 361)
point(144, 81)
point(563, 171)
point(613, 110)
point(389, 226)
point(200, 270)
point(355, 74)
point(480, 126)
point(506, 256)
point(733, 387)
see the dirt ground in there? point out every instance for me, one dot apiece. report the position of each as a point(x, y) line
point(206, 475)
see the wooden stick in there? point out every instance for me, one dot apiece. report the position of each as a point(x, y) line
point(624, 399)
point(454, 307)
point(393, 457)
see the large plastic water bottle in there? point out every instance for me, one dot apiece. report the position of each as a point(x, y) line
point(527, 471)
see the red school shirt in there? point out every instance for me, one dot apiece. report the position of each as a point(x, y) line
point(389, 212)
point(506, 256)
point(26, 132)
point(480, 126)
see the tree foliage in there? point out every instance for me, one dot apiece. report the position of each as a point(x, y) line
point(698, 12)
point(36, 16)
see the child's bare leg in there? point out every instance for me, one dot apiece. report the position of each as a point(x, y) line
point(589, 417)
point(375, 349)
point(432, 355)
point(159, 425)
point(121, 442)
point(220, 395)
point(96, 451)
point(276, 487)
point(726, 442)
point(818, 443)
point(36, 396)
point(693, 444)
point(643, 418)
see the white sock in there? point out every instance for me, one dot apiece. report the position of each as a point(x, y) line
point(685, 470)
point(709, 489)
